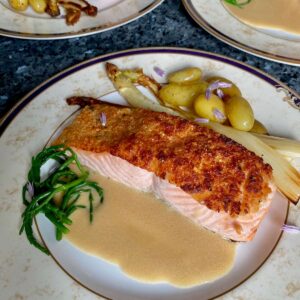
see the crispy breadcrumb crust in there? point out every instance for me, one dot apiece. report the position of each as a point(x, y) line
point(212, 168)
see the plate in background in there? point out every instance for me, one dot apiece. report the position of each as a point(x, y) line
point(111, 14)
point(215, 19)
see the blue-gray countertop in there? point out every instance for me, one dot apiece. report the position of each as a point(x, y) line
point(25, 64)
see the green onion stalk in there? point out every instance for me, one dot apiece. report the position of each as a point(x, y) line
point(238, 3)
point(38, 194)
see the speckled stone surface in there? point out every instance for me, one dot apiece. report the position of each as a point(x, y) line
point(25, 64)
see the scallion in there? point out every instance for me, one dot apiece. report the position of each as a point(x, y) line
point(38, 194)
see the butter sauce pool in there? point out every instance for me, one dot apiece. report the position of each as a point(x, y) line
point(148, 240)
point(270, 14)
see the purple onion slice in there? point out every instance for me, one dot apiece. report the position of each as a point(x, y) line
point(103, 119)
point(159, 71)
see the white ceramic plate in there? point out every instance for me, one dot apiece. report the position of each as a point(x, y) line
point(281, 34)
point(30, 124)
point(269, 44)
point(111, 14)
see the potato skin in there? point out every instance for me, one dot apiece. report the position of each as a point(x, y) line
point(181, 94)
point(239, 113)
point(19, 4)
point(185, 75)
point(38, 6)
point(258, 127)
point(205, 108)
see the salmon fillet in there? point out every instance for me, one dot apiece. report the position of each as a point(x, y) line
point(214, 181)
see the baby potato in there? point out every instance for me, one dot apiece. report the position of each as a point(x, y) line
point(181, 94)
point(185, 75)
point(38, 6)
point(239, 113)
point(208, 108)
point(228, 92)
point(19, 4)
point(259, 128)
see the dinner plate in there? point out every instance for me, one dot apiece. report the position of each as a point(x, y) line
point(270, 44)
point(111, 14)
point(32, 122)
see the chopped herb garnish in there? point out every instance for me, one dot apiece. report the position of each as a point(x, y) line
point(103, 119)
point(39, 193)
point(238, 3)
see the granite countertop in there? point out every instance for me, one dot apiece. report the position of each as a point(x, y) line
point(24, 64)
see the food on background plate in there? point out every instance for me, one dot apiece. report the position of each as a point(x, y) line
point(52, 8)
point(238, 3)
point(268, 14)
point(19, 4)
point(72, 9)
point(38, 6)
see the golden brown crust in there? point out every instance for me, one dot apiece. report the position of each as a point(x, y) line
point(212, 168)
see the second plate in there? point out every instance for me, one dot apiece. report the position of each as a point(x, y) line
point(111, 14)
point(215, 19)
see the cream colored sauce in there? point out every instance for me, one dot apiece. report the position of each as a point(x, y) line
point(282, 15)
point(148, 240)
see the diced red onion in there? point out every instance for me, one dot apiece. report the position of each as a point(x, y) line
point(201, 120)
point(159, 71)
point(103, 119)
point(218, 114)
point(208, 93)
point(220, 93)
point(222, 85)
point(52, 170)
point(30, 189)
point(291, 228)
point(217, 85)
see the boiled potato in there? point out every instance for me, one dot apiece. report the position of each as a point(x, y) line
point(239, 113)
point(228, 92)
point(19, 4)
point(185, 75)
point(259, 128)
point(38, 6)
point(208, 108)
point(181, 94)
